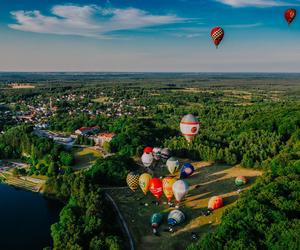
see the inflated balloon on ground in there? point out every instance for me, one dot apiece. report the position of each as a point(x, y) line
point(215, 202)
point(147, 159)
point(156, 187)
point(156, 153)
point(172, 165)
point(148, 150)
point(186, 170)
point(155, 221)
point(175, 217)
point(168, 187)
point(180, 189)
point(144, 182)
point(165, 154)
point(240, 180)
point(133, 181)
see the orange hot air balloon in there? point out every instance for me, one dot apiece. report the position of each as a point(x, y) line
point(156, 187)
point(168, 187)
point(290, 15)
point(215, 202)
point(217, 34)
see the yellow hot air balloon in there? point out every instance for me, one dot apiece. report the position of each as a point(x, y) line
point(133, 181)
point(144, 182)
point(167, 187)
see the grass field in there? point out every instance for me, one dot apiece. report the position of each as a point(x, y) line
point(103, 99)
point(85, 157)
point(207, 181)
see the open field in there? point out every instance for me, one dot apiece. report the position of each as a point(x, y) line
point(103, 99)
point(207, 181)
point(85, 157)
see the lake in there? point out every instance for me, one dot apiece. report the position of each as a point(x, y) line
point(25, 219)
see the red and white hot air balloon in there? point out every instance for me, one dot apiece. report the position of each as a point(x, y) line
point(290, 15)
point(189, 127)
point(217, 34)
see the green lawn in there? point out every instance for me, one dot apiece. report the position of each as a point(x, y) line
point(85, 157)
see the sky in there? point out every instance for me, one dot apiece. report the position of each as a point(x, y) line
point(148, 36)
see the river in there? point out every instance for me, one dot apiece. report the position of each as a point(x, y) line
point(25, 219)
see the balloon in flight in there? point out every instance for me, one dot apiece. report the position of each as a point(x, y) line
point(215, 202)
point(133, 181)
point(168, 187)
point(217, 34)
point(290, 15)
point(186, 170)
point(144, 182)
point(189, 127)
point(180, 189)
point(147, 159)
point(172, 165)
point(156, 187)
point(175, 217)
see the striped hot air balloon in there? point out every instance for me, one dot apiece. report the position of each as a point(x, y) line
point(215, 202)
point(217, 34)
point(240, 180)
point(175, 217)
point(165, 154)
point(189, 127)
point(133, 181)
point(144, 182)
point(172, 165)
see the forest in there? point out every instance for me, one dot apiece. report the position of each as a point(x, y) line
point(251, 120)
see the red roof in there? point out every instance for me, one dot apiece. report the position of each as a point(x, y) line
point(106, 135)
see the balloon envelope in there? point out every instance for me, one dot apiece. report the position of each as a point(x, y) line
point(156, 153)
point(175, 217)
point(148, 150)
point(189, 127)
point(172, 165)
point(186, 170)
point(156, 220)
point(215, 202)
point(240, 180)
point(290, 15)
point(217, 34)
point(180, 189)
point(165, 153)
point(147, 159)
point(144, 182)
point(168, 187)
point(133, 181)
point(156, 187)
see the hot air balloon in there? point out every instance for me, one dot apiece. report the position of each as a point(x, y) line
point(240, 180)
point(172, 165)
point(217, 34)
point(144, 182)
point(155, 221)
point(180, 189)
point(133, 181)
point(147, 159)
point(165, 154)
point(189, 127)
point(156, 153)
point(186, 170)
point(290, 15)
point(175, 217)
point(168, 187)
point(148, 150)
point(156, 187)
point(215, 202)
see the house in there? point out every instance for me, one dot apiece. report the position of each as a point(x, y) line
point(87, 130)
point(101, 138)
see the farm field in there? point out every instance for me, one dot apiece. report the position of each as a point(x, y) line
point(208, 180)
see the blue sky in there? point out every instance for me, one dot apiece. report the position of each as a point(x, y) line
point(148, 35)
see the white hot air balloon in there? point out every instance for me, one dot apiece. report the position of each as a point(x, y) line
point(156, 153)
point(172, 165)
point(180, 189)
point(175, 217)
point(189, 127)
point(147, 159)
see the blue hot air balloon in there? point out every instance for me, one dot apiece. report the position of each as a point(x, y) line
point(186, 170)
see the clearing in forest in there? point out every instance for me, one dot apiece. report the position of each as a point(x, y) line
point(208, 180)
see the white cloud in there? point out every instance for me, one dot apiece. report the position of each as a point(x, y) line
point(256, 3)
point(243, 26)
point(88, 20)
